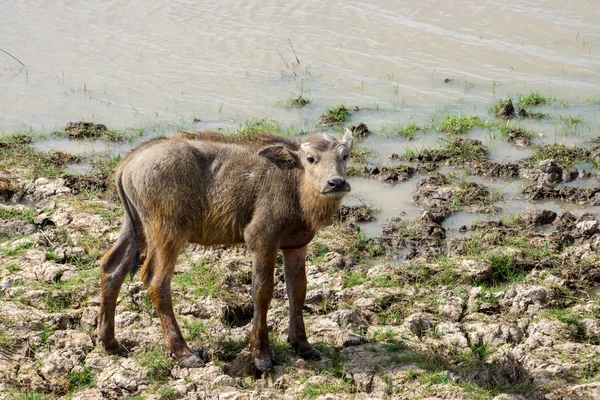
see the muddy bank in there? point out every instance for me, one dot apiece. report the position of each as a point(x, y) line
point(508, 306)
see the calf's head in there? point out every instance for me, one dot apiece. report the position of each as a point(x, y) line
point(323, 159)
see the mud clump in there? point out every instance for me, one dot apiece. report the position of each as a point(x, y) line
point(79, 183)
point(7, 186)
point(540, 217)
point(60, 158)
point(518, 138)
point(86, 130)
point(360, 130)
point(397, 174)
point(507, 110)
point(494, 170)
point(571, 194)
point(550, 173)
point(335, 116)
point(562, 154)
point(357, 213)
point(457, 151)
point(16, 140)
point(440, 192)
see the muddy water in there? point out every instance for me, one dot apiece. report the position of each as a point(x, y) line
point(129, 63)
point(389, 200)
point(162, 67)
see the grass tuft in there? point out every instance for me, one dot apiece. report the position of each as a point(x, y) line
point(409, 131)
point(460, 124)
point(81, 379)
point(534, 99)
point(335, 116)
point(156, 361)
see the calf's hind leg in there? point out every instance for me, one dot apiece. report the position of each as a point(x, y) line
point(114, 266)
point(159, 270)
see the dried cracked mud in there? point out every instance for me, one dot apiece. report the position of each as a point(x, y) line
point(505, 308)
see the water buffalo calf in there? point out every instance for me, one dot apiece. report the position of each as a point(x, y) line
point(269, 192)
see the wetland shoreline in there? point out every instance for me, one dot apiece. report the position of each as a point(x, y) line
point(454, 271)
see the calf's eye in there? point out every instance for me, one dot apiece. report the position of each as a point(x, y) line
point(345, 157)
point(310, 159)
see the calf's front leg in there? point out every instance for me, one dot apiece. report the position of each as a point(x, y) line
point(295, 282)
point(263, 267)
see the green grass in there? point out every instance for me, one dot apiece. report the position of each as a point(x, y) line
point(562, 154)
point(196, 329)
point(105, 164)
point(17, 153)
point(428, 362)
point(480, 350)
point(507, 129)
point(534, 99)
point(361, 155)
point(409, 131)
point(6, 342)
point(108, 135)
point(47, 332)
point(385, 281)
point(260, 125)
point(298, 101)
point(386, 335)
point(156, 361)
point(460, 124)
point(462, 150)
point(571, 317)
point(505, 269)
point(354, 278)
point(203, 278)
point(12, 268)
point(316, 252)
point(58, 302)
point(435, 378)
point(34, 395)
point(11, 251)
point(407, 229)
point(27, 214)
point(571, 120)
point(498, 105)
point(313, 390)
point(84, 378)
point(231, 349)
point(335, 116)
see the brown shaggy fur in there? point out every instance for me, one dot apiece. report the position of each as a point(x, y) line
point(211, 189)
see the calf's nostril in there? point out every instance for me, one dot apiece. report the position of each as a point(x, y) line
point(336, 182)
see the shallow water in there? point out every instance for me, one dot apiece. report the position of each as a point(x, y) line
point(203, 65)
point(130, 64)
point(84, 147)
point(389, 200)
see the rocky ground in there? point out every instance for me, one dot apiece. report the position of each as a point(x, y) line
point(507, 310)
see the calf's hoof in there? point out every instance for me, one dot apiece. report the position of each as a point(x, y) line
point(190, 361)
point(266, 364)
point(310, 354)
point(113, 347)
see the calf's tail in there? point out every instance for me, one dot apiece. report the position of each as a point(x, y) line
point(134, 249)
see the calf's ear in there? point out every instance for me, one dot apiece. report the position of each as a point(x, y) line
point(281, 156)
point(348, 139)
